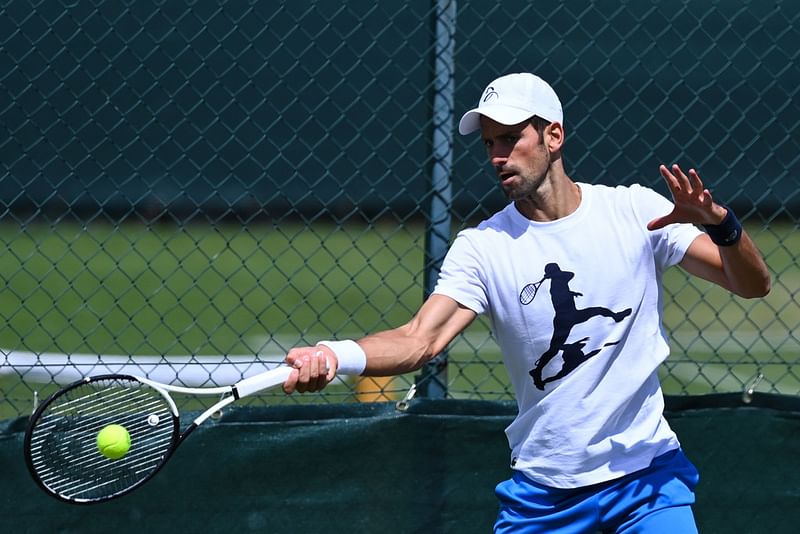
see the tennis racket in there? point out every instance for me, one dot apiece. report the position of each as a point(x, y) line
point(60, 442)
point(528, 292)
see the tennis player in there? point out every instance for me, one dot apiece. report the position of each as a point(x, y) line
point(590, 448)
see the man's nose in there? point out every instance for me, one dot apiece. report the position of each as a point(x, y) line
point(498, 157)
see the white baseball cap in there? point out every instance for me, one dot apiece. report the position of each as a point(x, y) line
point(512, 99)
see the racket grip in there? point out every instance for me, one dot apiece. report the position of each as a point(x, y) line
point(262, 381)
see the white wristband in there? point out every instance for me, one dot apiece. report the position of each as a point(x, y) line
point(352, 358)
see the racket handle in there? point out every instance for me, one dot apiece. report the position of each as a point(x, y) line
point(262, 381)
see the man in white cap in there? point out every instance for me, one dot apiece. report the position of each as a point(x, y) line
point(590, 448)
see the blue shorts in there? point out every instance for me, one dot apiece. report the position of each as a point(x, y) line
point(655, 500)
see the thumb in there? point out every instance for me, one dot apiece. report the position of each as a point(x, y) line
point(658, 223)
point(290, 386)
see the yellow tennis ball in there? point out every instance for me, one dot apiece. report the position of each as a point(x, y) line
point(113, 441)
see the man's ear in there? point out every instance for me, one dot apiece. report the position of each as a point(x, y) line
point(554, 136)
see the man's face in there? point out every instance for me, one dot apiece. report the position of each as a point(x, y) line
point(518, 154)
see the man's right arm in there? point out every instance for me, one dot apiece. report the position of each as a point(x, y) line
point(391, 352)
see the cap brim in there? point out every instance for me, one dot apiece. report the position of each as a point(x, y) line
point(471, 121)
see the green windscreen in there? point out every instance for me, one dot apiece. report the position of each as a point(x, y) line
point(431, 469)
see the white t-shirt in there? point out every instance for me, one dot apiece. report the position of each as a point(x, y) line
point(591, 335)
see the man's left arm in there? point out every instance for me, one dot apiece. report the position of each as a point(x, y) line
point(738, 268)
point(725, 255)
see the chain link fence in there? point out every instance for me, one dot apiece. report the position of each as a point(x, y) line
point(197, 187)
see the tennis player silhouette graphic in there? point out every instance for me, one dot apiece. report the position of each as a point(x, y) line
point(567, 315)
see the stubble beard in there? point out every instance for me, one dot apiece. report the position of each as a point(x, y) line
point(526, 186)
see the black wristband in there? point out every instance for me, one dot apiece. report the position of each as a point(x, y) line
point(727, 233)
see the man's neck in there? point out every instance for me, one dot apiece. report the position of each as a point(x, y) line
point(558, 197)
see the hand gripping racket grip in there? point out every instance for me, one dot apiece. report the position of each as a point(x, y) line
point(262, 381)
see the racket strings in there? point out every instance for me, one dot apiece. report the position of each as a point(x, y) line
point(528, 292)
point(64, 452)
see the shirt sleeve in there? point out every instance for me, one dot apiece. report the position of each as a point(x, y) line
point(671, 242)
point(462, 276)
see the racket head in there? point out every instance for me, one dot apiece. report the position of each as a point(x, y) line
point(60, 443)
point(528, 292)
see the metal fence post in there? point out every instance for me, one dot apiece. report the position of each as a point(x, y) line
point(432, 382)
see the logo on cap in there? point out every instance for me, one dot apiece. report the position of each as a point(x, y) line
point(489, 94)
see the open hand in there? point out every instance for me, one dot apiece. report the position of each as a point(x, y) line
point(693, 203)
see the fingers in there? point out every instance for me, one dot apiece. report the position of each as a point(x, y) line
point(694, 179)
point(685, 185)
point(311, 370)
point(698, 190)
point(692, 201)
point(678, 181)
point(670, 178)
point(290, 386)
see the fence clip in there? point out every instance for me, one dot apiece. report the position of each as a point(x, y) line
point(750, 387)
point(402, 405)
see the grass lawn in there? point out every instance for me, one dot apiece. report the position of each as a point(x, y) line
point(260, 289)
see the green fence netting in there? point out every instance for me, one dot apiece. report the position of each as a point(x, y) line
point(204, 185)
